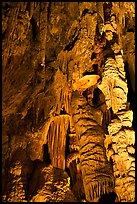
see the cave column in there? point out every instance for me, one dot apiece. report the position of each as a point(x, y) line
point(96, 170)
point(121, 139)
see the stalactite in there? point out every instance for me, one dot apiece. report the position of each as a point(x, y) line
point(43, 31)
point(23, 6)
point(14, 13)
point(67, 100)
point(100, 11)
point(32, 9)
point(62, 93)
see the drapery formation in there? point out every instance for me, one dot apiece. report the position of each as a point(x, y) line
point(57, 140)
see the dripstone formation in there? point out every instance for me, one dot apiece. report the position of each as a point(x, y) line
point(68, 86)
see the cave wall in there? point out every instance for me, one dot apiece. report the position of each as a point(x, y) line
point(46, 48)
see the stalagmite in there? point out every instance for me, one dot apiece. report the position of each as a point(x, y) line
point(92, 156)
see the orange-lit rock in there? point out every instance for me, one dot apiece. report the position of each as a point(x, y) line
point(85, 82)
point(55, 114)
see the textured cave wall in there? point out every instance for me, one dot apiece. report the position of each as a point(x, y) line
point(46, 47)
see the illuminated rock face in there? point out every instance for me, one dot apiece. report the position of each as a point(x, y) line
point(72, 146)
point(123, 146)
point(53, 185)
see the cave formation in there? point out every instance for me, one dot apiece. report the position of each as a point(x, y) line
point(68, 87)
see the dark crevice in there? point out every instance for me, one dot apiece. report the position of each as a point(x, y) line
point(85, 11)
point(32, 189)
point(46, 155)
point(96, 98)
point(108, 52)
point(130, 95)
point(76, 114)
point(34, 28)
point(118, 53)
point(131, 30)
point(4, 34)
point(107, 11)
point(93, 56)
point(67, 150)
point(88, 73)
point(6, 8)
point(28, 7)
point(71, 45)
point(108, 197)
point(129, 24)
point(97, 30)
point(131, 155)
point(48, 11)
point(87, 153)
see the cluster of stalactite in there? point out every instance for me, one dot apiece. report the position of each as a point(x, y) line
point(62, 94)
point(60, 135)
point(110, 67)
point(88, 130)
point(94, 187)
point(22, 14)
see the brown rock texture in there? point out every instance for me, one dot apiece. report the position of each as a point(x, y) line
point(68, 86)
point(53, 185)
